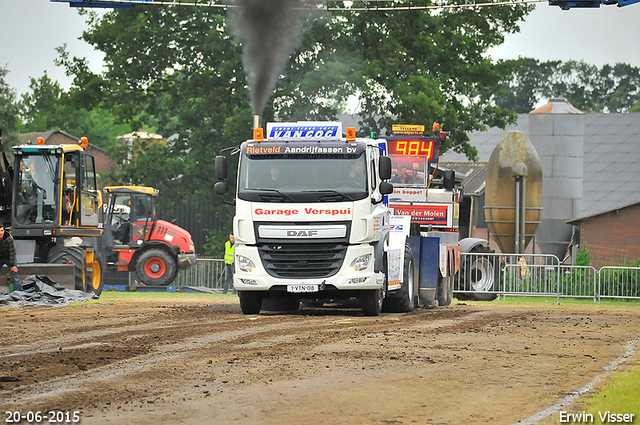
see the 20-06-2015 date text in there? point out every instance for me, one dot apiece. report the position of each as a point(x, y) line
point(50, 417)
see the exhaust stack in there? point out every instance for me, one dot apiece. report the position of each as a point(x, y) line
point(257, 121)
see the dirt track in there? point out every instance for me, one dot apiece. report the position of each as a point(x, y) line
point(196, 361)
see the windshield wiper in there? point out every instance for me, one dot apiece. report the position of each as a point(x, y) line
point(284, 196)
point(329, 191)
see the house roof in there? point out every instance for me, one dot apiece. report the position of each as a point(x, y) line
point(611, 158)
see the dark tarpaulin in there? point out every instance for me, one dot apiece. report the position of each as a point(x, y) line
point(39, 290)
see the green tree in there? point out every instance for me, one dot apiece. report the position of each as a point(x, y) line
point(9, 110)
point(589, 88)
point(49, 107)
point(405, 66)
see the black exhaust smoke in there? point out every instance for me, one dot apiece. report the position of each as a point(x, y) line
point(269, 31)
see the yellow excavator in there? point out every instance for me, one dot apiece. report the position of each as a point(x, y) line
point(49, 200)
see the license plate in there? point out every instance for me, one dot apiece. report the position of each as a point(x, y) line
point(302, 288)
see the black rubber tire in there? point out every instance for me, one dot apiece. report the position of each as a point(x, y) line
point(95, 277)
point(156, 267)
point(250, 302)
point(474, 276)
point(402, 302)
point(372, 300)
point(71, 255)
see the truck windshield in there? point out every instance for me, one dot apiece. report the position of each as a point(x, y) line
point(302, 179)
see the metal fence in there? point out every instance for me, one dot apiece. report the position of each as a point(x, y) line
point(499, 274)
point(543, 275)
point(207, 272)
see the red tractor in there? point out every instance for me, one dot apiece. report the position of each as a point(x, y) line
point(136, 241)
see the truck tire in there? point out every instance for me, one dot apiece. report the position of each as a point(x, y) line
point(372, 302)
point(95, 278)
point(156, 267)
point(403, 301)
point(480, 275)
point(71, 255)
point(250, 302)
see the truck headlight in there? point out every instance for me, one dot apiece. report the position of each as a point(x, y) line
point(360, 263)
point(245, 264)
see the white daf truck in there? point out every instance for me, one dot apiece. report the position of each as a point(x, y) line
point(310, 222)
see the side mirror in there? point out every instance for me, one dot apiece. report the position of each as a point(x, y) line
point(220, 188)
point(221, 168)
point(386, 188)
point(385, 168)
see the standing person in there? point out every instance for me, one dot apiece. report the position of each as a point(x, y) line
point(8, 256)
point(229, 248)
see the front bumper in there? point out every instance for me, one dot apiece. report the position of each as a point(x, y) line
point(345, 280)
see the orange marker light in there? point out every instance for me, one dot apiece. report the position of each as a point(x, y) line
point(258, 134)
point(351, 134)
point(41, 140)
point(84, 142)
point(436, 126)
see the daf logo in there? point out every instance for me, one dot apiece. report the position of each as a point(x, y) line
point(302, 233)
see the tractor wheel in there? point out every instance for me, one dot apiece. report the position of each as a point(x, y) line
point(480, 274)
point(71, 255)
point(250, 302)
point(95, 278)
point(156, 267)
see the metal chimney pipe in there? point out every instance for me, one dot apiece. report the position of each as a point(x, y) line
point(257, 121)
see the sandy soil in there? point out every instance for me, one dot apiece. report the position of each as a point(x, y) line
point(202, 361)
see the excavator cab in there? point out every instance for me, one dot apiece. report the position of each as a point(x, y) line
point(55, 193)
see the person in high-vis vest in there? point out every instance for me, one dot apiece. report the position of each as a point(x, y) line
point(228, 263)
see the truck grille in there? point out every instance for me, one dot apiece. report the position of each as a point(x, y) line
point(302, 261)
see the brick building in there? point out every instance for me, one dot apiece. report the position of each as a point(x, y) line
point(611, 237)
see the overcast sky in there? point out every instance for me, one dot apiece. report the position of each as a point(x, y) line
point(30, 30)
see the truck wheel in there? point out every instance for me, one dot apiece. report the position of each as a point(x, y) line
point(156, 267)
point(480, 274)
point(71, 255)
point(250, 302)
point(372, 302)
point(403, 302)
point(95, 278)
